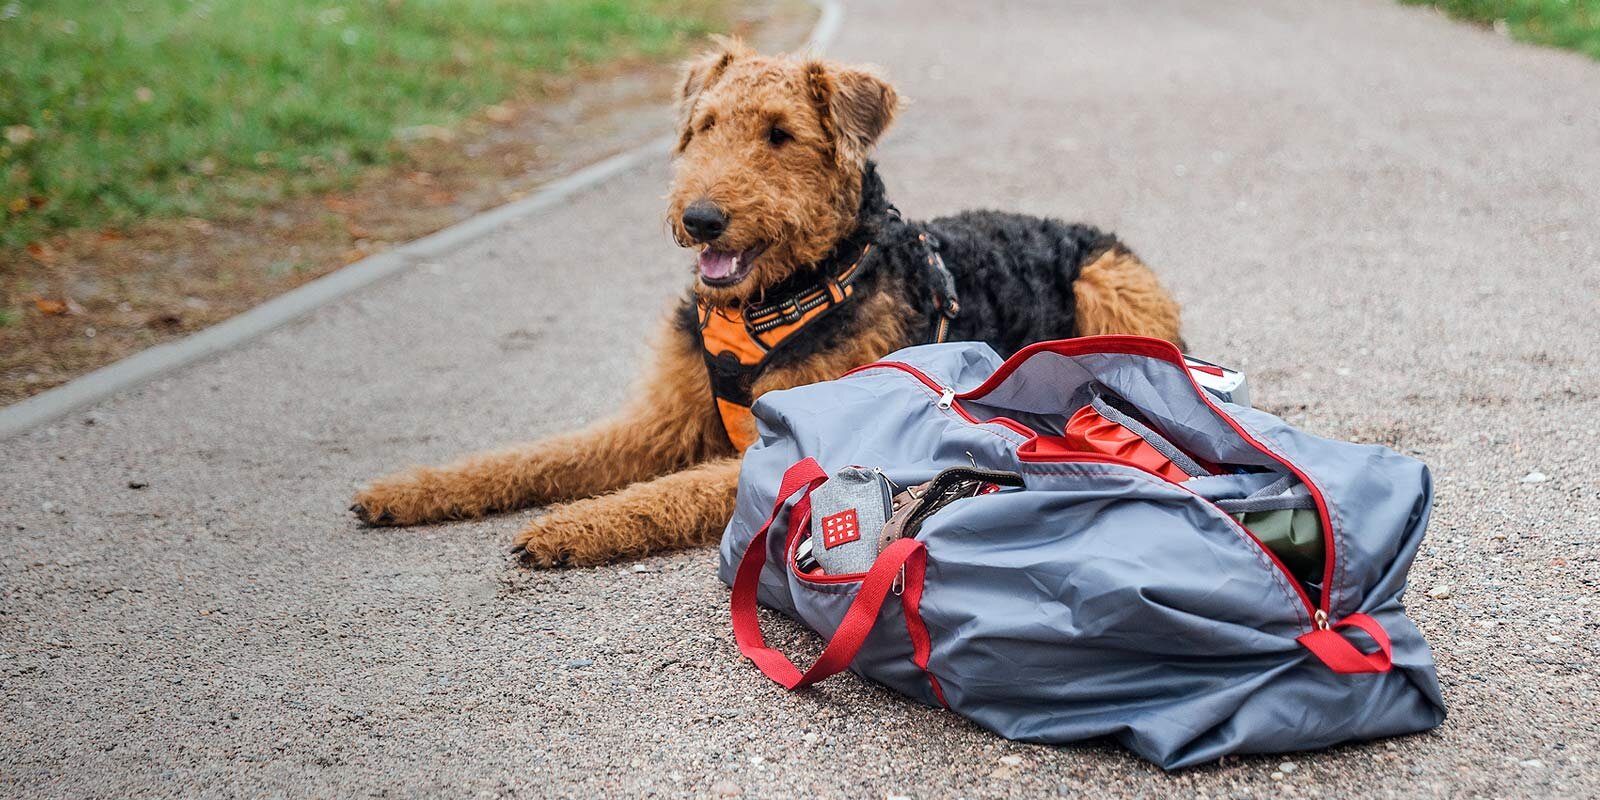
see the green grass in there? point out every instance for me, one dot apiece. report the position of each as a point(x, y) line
point(113, 112)
point(1572, 24)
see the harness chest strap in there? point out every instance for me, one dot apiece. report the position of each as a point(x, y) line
point(737, 343)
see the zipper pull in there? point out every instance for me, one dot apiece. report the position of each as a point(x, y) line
point(947, 398)
point(1320, 619)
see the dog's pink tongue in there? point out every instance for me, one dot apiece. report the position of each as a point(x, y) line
point(716, 264)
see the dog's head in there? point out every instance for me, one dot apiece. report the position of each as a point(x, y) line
point(769, 161)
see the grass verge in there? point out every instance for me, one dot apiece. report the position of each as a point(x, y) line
point(1569, 24)
point(114, 113)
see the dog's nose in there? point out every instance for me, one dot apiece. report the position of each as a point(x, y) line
point(704, 221)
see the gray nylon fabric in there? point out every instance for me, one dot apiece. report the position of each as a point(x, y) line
point(1103, 600)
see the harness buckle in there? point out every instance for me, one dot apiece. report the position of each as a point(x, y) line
point(790, 309)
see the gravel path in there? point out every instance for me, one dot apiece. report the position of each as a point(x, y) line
point(1390, 220)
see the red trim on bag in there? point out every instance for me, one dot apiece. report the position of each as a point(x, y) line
point(1342, 656)
point(1081, 346)
point(1164, 351)
point(1092, 458)
point(1294, 583)
point(921, 645)
point(907, 554)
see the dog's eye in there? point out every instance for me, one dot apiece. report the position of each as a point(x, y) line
point(778, 136)
point(706, 123)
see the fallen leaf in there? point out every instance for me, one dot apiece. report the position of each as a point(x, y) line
point(352, 255)
point(439, 197)
point(54, 308)
point(42, 253)
point(109, 235)
point(143, 94)
point(18, 205)
point(20, 134)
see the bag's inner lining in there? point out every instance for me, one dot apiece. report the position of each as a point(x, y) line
point(1267, 500)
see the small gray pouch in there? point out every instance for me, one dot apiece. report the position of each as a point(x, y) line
point(847, 513)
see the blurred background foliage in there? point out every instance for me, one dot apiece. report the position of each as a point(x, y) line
point(1572, 24)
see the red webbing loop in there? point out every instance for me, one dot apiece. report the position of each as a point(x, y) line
point(1344, 657)
point(858, 620)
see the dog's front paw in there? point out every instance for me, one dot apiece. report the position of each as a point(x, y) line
point(409, 498)
point(580, 534)
point(536, 547)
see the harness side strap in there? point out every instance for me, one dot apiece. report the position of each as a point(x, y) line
point(858, 621)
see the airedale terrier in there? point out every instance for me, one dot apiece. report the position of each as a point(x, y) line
point(804, 271)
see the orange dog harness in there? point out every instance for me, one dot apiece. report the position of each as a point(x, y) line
point(738, 344)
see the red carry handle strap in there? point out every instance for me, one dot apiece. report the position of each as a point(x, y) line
point(1341, 655)
point(858, 620)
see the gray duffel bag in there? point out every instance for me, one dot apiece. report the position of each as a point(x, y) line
point(1098, 598)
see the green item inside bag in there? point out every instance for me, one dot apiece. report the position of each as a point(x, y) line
point(1293, 535)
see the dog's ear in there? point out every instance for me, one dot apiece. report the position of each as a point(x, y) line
point(700, 74)
point(855, 104)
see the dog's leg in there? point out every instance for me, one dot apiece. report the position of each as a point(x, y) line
point(1117, 293)
point(668, 427)
point(674, 511)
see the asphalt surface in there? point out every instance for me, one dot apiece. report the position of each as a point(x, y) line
point(1390, 220)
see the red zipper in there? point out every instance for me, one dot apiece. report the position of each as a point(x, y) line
point(947, 401)
point(1319, 617)
point(843, 577)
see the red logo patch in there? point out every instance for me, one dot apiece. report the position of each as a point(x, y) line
point(840, 528)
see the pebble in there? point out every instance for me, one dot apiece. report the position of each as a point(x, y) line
point(580, 663)
point(1535, 477)
point(52, 507)
point(724, 789)
point(1533, 763)
point(1277, 776)
point(1440, 592)
point(1011, 761)
point(1287, 766)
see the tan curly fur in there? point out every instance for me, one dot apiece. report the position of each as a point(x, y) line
point(662, 474)
point(1117, 293)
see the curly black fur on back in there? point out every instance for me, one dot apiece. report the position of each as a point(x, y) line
point(1013, 275)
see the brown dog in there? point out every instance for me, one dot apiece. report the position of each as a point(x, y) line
point(805, 271)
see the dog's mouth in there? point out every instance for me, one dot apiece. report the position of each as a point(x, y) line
point(727, 267)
